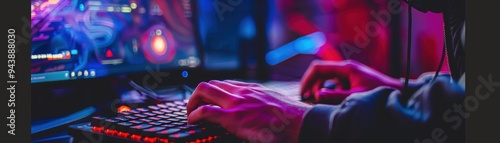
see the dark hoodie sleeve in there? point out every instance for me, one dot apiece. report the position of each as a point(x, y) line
point(379, 116)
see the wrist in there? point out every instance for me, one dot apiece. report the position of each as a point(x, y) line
point(317, 124)
point(297, 123)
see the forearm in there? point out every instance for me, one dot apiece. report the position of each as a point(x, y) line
point(317, 124)
point(379, 116)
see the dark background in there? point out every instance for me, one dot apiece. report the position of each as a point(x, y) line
point(14, 19)
point(482, 54)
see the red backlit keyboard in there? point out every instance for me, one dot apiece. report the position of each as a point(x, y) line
point(161, 123)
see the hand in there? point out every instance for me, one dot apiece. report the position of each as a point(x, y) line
point(248, 110)
point(351, 77)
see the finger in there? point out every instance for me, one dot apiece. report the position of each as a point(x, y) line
point(206, 93)
point(324, 70)
point(336, 96)
point(244, 84)
point(317, 86)
point(312, 91)
point(231, 88)
point(207, 113)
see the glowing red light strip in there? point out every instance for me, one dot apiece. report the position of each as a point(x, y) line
point(163, 140)
point(136, 137)
point(123, 134)
point(97, 129)
point(149, 140)
point(110, 132)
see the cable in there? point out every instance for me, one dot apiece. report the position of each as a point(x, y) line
point(408, 58)
point(445, 30)
point(440, 63)
point(408, 55)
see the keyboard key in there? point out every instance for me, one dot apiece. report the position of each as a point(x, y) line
point(142, 109)
point(154, 107)
point(173, 119)
point(178, 124)
point(167, 132)
point(162, 106)
point(174, 109)
point(168, 126)
point(136, 122)
point(179, 103)
point(179, 113)
point(154, 118)
point(164, 121)
point(181, 117)
point(149, 114)
point(123, 119)
point(170, 104)
point(125, 113)
point(151, 132)
point(140, 115)
point(134, 111)
point(110, 123)
point(163, 116)
point(131, 117)
point(181, 107)
point(138, 128)
point(123, 126)
point(97, 121)
point(154, 123)
point(146, 120)
point(157, 112)
point(166, 111)
point(171, 115)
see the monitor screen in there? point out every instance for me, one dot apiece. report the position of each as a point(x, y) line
point(83, 39)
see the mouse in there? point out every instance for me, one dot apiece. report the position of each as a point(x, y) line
point(330, 84)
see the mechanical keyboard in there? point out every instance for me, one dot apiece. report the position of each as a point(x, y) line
point(160, 123)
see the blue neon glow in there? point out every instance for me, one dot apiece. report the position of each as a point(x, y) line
point(82, 7)
point(74, 52)
point(280, 54)
point(247, 29)
point(55, 138)
point(185, 74)
point(35, 128)
point(308, 44)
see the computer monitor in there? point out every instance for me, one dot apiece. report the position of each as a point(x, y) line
point(84, 39)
